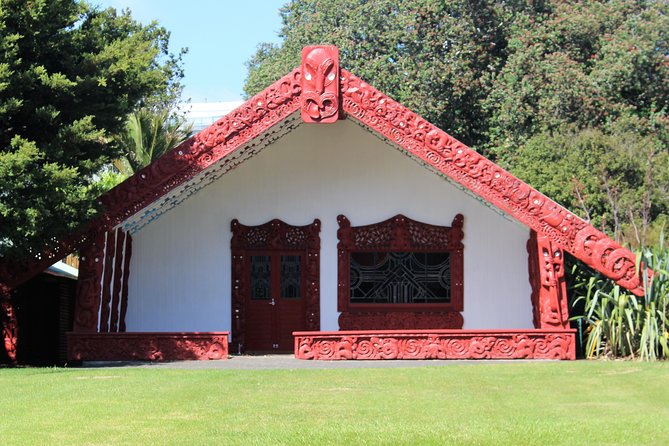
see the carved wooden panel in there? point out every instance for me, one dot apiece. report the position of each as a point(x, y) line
point(399, 320)
point(320, 84)
point(400, 234)
point(8, 324)
point(549, 290)
point(273, 235)
point(436, 344)
point(138, 346)
point(89, 285)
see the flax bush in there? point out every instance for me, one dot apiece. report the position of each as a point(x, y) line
point(620, 324)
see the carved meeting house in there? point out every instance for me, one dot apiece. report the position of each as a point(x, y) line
point(324, 218)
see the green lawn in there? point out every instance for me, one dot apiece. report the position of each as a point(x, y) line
point(520, 404)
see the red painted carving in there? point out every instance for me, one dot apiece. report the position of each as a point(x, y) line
point(549, 290)
point(383, 115)
point(219, 140)
point(14, 272)
point(320, 84)
point(436, 344)
point(88, 285)
point(400, 234)
point(8, 323)
point(399, 320)
point(487, 180)
point(126, 278)
point(277, 235)
point(147, 346)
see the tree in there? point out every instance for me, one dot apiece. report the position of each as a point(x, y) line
point(587, 63)
point(438, 58)
point(511, 78)
point(148, 135)
point(69, 75)
point(615, 180)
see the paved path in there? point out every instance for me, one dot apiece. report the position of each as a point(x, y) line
point(286, 362)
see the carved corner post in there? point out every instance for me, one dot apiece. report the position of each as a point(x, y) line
point(239, 289)
point(89, 287)
point(8, 323)
point(313, 276)
point(320, 98)
point(549, 290)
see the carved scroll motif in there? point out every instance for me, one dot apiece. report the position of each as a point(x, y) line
point(102, 287)
point(89, 286)
point(432, 344)
point(320, 84)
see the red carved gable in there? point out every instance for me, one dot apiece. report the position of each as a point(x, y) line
point(320, 99)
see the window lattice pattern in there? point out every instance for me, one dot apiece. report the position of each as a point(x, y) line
point(400, 277)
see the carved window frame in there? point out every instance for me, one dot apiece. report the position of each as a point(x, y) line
point(400, 234)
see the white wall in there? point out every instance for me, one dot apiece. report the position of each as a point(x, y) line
point(180, 272)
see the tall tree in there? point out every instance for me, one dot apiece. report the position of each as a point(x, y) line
point(70, 73)
point(587, 87)
point(437, 57)
point(513, 77)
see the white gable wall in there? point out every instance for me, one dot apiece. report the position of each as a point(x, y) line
point(180, 267)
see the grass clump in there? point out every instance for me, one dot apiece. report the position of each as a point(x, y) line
point(620, 324)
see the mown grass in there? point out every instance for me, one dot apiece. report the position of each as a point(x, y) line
point(520, 404)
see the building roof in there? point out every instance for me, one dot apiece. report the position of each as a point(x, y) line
point(311, 93)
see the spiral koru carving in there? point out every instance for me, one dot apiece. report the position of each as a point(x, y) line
point(434, 344)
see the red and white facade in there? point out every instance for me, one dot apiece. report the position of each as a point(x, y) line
point(247, 232)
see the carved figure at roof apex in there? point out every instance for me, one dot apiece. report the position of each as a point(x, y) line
point(320, 84)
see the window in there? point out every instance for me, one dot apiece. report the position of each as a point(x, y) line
point(400, 264)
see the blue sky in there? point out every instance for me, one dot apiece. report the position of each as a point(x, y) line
point(220, 35)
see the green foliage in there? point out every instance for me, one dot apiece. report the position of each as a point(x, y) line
point(69, 74)
point(586, 63)
point(438, 58)
point(149, 134)
point(514, 78)
point(621, 324)
point(618, 181)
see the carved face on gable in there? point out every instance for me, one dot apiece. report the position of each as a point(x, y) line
point(320, 84)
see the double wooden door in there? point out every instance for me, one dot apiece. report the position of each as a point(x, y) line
point(275, 284)
point(275, 299)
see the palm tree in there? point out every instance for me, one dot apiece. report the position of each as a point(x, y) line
point(149, 134)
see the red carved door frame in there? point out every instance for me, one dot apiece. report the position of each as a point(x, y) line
point(274, 239)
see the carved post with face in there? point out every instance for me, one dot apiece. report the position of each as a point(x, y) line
point(320, 84)
point(549, 291)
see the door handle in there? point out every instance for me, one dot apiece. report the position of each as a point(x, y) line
point(272, 302)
